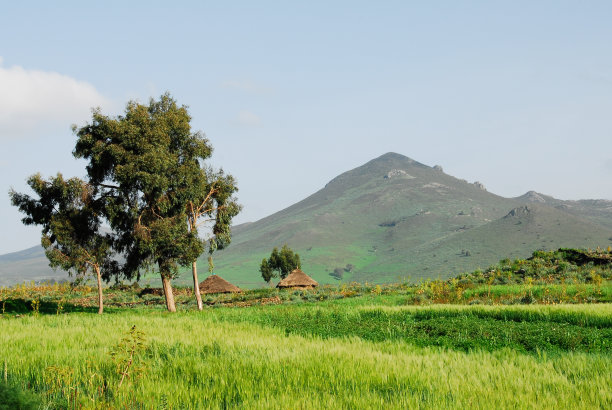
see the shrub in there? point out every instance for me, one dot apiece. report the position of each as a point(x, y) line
point(15, 398)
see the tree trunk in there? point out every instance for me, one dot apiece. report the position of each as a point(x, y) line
point(168, 293)
point(99, 278)
point(196, 284)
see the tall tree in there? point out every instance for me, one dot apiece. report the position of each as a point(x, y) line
point(279, 263)
point(70, 216)
point(143, 163)
point(211, 208)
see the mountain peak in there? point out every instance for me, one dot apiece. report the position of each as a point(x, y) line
point(393, 158)
point(393, 155)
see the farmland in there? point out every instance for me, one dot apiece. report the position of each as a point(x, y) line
point(361, 352)
point(521, 334)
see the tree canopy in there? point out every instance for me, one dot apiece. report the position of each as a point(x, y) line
point(211, 207)
point(148, 165)
point(70, 216)
point(146, 178)
point(280, 263)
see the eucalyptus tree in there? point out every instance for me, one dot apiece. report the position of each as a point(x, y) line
point(69, 212)
point(144, 163)
point(211, 208)
point(280, 263)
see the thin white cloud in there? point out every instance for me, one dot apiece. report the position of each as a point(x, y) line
point(34, 101)
point(246, 86)
point(249, 119)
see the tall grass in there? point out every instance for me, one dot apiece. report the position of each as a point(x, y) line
point(211, 360)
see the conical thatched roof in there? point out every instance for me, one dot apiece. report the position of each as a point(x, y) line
point(215, 284)
point(297, 279)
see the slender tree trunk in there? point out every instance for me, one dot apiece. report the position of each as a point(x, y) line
point(168, 293)
point(100, 301)
point(196, 284)
point(194, 267)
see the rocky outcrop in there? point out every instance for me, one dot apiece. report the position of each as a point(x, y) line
point(394, 173)
point(520, 211)
point(533, 196)
point(480, 185)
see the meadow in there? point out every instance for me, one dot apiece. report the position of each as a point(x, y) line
point(361, 352)
point(533, 341)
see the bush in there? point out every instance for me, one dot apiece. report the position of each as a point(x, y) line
point(14, 398)
point(338, 273)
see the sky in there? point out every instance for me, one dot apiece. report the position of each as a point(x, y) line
point(516, 95)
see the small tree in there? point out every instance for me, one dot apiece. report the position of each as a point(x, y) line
point(279, 263)
point(212, 203)
point(338, 273)
point(266, 271)
point(70, 217)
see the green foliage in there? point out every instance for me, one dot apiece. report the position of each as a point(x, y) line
point(279, 263)
point(13, 398)
point(546, 267)
point(463, 330)
point(69, 212)
point(338, 273)
point(266, 271)
point(347, 353)
point(144, 163)
point(126, 355)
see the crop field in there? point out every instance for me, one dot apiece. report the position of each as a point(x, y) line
point(531, 333)
point(361, 352)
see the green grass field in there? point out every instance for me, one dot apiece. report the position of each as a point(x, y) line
point(533, 333)
point(361, 352)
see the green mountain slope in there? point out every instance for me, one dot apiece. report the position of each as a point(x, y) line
point(596, 210)
point(392, 218)
point(27, 265)
point(396, 218)
point(516, 235)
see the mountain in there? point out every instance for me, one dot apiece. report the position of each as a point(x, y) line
point(394, 218)
point(27, 265)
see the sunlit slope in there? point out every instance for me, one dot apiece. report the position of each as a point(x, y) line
point(396, 218)
point(514, 235)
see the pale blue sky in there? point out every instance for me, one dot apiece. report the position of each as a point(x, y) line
point(515, 95)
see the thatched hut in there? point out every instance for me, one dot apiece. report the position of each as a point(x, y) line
point(216, 284)
point(297, 279)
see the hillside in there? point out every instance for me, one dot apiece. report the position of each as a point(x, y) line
point(597, 210)
point(397, 218)
point(391, 218)
point(27, 265)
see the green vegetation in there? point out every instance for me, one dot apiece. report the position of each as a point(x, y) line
point(416, 226)
point(146, 178)
point(556, 277)
point(12, 398)
point(359, 354)
point(279, 264)
point(70, 215)
point(543, 336)
point(390, 227)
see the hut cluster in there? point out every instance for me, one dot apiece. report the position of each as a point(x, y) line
point(295, 280)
